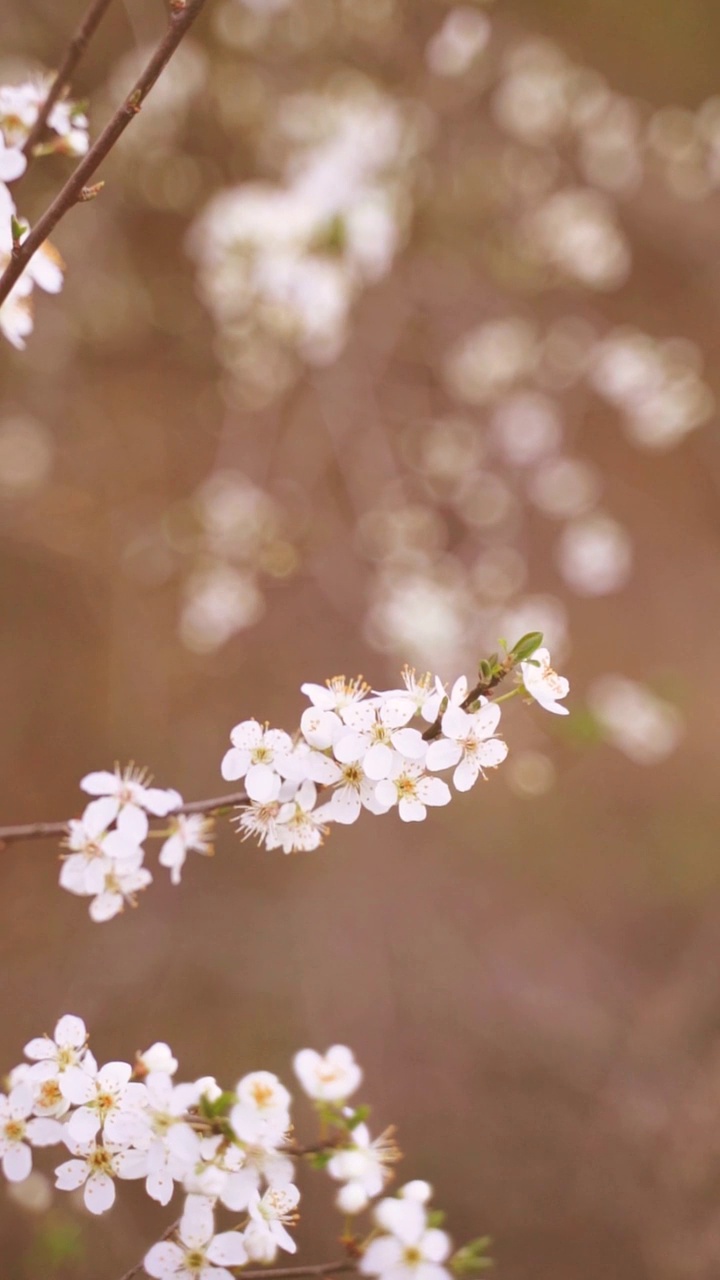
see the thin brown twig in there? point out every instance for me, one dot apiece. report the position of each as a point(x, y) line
point(294, 1273)
point(47, 830)
point(75, 50)
point(139, 1269)
point(182, 15)
point(482, 687)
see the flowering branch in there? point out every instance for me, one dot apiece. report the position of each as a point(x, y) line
point(354, 750)
point(48, 830)
point(123, 1122)
point(182, 15)
point(75, 50)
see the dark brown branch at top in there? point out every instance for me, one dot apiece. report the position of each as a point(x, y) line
point(48, 830)
point(482, 688)
point(75, 50)
point(182, 15)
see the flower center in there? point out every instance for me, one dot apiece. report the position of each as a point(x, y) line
point(15, 1130)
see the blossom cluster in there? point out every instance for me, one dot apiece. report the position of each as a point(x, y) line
point(106, 857)
point(67, 125)
point(225, 1150)
point(359, 746)
point(355, 750)
point(281, 265)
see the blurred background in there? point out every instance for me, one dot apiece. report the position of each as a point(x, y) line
point(393, 331)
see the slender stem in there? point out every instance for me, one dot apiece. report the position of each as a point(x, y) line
point(512, 693)
point(182, 15)
point(47, 830)
point(138, 1269)
point(294, 1273)
point(75, 50)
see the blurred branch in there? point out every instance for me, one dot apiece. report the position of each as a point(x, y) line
point(75, 50)
point(182, 15)
point(45, 830)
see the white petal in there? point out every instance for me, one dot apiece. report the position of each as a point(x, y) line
point(17, 1162)
point(99, 1193)
point(380, 1255)
point(411, 810)
point(320, 728)
point(434, 791)
point(197, 1223)
point(359, 715)
point(403, 1218)
point(492, 753)
point(262, 783)
point(132, 824)
point(77, 1086)
point(378, 761)
point(344, 805)
point(99, 814)
point(40, 1048)
point(350, 746)
point(70, 1032)
point(44, 1133)
point(71, 1175)
point(160, 1186)
point(83, 1124)
point(410, 743)
point(455, 722)
point(247, 735)
point(101, 783)
point(435, 1245)
point(386, 793)
point(105, 907)
point(486, 720)
point(228, 1249)
point(442, 754)
point(164, 1261)
point(466, 774)
point(234, 764)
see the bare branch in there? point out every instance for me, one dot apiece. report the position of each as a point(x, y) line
point(182, 15)
point(75, 50)
point(47, 830)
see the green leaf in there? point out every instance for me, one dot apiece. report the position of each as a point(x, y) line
point(526, 646)
point(211, 1108)
point(359, 1116)
point(472, 1258)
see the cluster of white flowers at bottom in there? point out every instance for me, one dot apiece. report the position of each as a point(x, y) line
point(225, 1150)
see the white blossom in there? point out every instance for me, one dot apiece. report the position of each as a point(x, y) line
point(411, 789)
point(19, 1132)
point(128, 790)
point(410, 1250)
point(261, 1114)
point(190, 834)
point(543, 684)
point(95, 1168)
point(254, 756)
point(363, 1167)
point(197, 1251)
point(266, 1232)
point(329, 1077)
point(468, 743)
